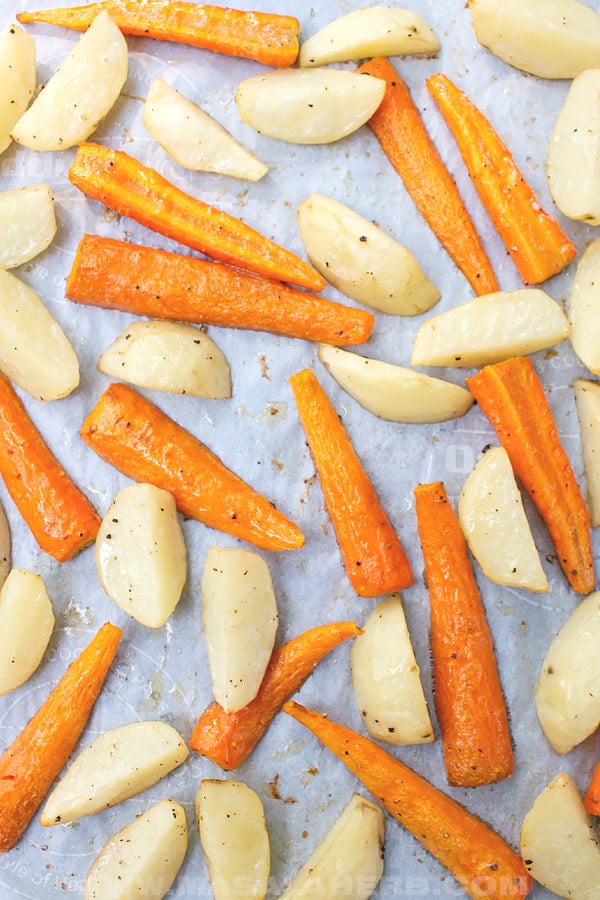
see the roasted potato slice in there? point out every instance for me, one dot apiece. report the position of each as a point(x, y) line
point(26, 626)
point(17, 76)
point(584, 308)
point(29, 223)
point(5, 546)
point(587, 402)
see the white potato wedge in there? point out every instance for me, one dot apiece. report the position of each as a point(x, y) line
point(233, 833)
point(493, 521)
point(573, 160)
point(361, 260)
point(558, 844)
point(393, 392)
point(240, 618)
point(386, 678)
point(118, 765)
point(142, 860)
point(168, 356)
point(309, 106)
point(348, 862)
point(34, 351)
point(193, 139)
point(17, 77)
point(491, 328)
point(29, 223)
point(567, 693)
point(587, 402)
point(584, 308)
point(368, 32)
point(141, 554)
point(5, 547)
point(547, 38)
point(80, 94)
point(26, 625)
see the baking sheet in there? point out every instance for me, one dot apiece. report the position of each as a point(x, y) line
point(163, 673)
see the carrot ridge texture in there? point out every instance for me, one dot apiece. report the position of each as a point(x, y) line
point(136, 437)
point(592, 795)
point(468, 694)
point(373, 556)
point(132, 189)
point(512, 397)
point(143, 280)
point(401, 132)
point(228, 738)
point(268, 38)
point(478, 858)
point(35, 758)
point(534, 239)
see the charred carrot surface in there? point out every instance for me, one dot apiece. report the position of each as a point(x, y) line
point(117, 275)
point(535, 241)
point(228, 738)
point(399, 128)
point(34, 759)
point(59, 515)
point(132, 189)
point(468, 695)
point(373, 556)
point(478, 858)
point(592, 795)
point(133, 435)
point(512, 397)
point(265, 37)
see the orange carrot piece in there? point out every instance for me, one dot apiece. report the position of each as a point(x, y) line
point(468, 695)
point(373, 556)
point(34, 759)
point(132, 189)
point(59, 515)
point(149, 282)
point(228, 738)
point(535, 241)
point(399, 128)
point(478, 858)
point(133, 435)
point(592, 795)
point(512, 397)
point(265, 37)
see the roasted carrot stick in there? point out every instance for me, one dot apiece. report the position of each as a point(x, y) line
point(592, 795)
point(468, 695)
point(373, 556)
point(34, 759)
point(265, 37)
point(535, 241)
point(133, 435)
point(59, 515)
point(399, 128)
point(149, 282)
point(228, 738)
point(477, 857)
point(511, 395)
point(132, 189)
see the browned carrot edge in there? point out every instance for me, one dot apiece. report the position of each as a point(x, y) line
point(228, 738)
point(373, 556)
point(592, 795)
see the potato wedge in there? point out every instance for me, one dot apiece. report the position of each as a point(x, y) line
point(547, 38)
point(168, 356)
point(393, 392)
point(80, 94)
point(142, 860)
point(558, 844)
point(493, 520)
point(584, 308)
point(308, 106)
point(361, 260)
point(193, 139)
point(233, 833)
point(386, 678)
point(17, 76)
point(26, 625)
point(348, 861)
point(240, 618)
point(141, 555)
point(587, 402)
point(489, 329)
point(567, 696)
point(29, 223)
point(5, 547)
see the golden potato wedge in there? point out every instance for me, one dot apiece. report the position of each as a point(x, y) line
point(361, 260)
point(584, 308)
point(587, 402)
point(26, 625)
point(17, 76)
point(5, 546)
point(80, 94)
point(29, 223)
